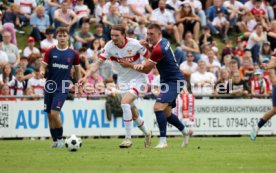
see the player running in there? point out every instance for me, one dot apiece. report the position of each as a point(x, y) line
point(269, 114)
point(130, 81)
point(58, 62)
point(170, 77)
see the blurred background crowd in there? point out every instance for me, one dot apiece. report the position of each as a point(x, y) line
point(218, 44)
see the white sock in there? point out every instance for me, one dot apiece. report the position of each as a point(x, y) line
point(141, 125)
point(184, 131)
point(163, 140)
point(127, 116)
point(257, 130)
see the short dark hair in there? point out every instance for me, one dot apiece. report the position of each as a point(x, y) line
point(62, 30)
point(120, 28)
point(155, 26)
point(37, 69)
point(82, 49)
point(50, 30)
point(99, 25)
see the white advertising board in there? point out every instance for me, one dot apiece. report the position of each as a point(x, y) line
point(88, 118)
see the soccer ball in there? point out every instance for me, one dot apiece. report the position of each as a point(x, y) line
point(73, 143)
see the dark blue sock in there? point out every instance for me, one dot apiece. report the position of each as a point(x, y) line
point(261, 123)
point(162, 122)
point(173, 120)
point(59, 132)
point(53, 134)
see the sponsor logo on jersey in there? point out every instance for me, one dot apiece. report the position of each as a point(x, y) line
point(54, 56)
point(68, 60)
point(60, 66)
point(129, 52)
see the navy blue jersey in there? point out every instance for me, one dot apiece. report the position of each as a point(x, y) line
point(163, 56)
point(59, 65)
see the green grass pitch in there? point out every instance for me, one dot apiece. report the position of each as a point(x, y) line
point(206, 155)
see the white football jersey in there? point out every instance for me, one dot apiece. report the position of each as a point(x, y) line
point(131, 52)
point(37, 85)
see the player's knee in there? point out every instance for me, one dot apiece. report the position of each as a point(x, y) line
point(274, 109)
point(135, 113)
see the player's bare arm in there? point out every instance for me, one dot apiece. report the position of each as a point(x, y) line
point(93, 68)
point(78, 76)
point(43, 69)
point(143, 68)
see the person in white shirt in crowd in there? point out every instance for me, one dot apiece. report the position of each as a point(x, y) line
point(188, 66)
point(235, 8)
point(31, 51)
point(66, 17)
point(212, 64)
point(165, 19)
point(49, 41)
point(82, 11)
point(94, 51)
point(197, 7)
point(173, 5)
point(26, 9)
point(202, 82)
point(139, 8)
point(141, 30)
point(124, 10)
point(109, 4)
point(37, 82)
point(3, 55)
point(11, 50)
point(99, 11)
point(247, 24)
point(255, 41)
point(221, 24)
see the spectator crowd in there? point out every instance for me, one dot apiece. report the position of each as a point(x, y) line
point(218, 44)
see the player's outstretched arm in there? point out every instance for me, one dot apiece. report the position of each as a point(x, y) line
point(93, 68)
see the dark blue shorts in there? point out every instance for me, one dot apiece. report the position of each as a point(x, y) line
point(171, 94)
point(274, 96)
point(54, 101)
